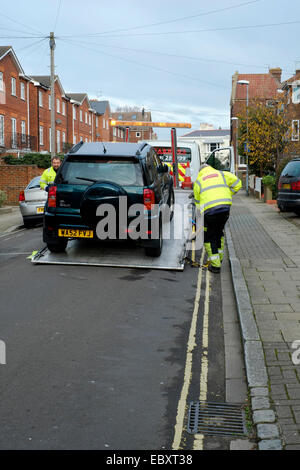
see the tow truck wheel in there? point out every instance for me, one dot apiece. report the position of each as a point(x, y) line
point(57, 247)
point(155, 250)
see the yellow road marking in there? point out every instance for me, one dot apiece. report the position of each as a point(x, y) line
point(199, 438)
point(181, 408)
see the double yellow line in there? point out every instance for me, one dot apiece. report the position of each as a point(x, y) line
point(191, 345)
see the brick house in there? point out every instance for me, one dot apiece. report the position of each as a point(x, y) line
point(104, 131)
point(136, 133)
point(15, 131)
point(102, 120)
point(291, 89)
point(262, 87)
point(81, 118)
point(40, 114)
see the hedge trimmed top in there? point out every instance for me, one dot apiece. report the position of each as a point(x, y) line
point(42, 160)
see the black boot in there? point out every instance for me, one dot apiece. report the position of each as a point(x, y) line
point(214, 269)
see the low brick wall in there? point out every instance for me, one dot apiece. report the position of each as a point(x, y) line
point(15, 178)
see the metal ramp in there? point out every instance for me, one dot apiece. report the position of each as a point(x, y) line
point(129, 255)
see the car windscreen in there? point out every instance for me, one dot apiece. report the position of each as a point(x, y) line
point(291, 170)
point(87, 170)
point(184, 154)
point(35, 183)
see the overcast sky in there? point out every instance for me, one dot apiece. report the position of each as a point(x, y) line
point(174, 58)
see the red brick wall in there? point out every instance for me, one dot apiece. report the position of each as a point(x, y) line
point(12, 106)
point(41, 116)
point(81, 128)
point(15, 178)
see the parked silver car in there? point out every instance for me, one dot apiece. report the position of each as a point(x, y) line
point(31, 202)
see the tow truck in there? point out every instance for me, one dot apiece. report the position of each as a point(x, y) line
point(174, 252)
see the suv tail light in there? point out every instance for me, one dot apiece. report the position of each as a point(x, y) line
point(52, 196)
point(21, 196)
point(149, 199)
point(279, 185)
point(295, 186)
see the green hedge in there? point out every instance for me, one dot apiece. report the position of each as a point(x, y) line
point(42, 160)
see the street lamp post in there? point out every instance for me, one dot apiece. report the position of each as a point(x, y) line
point(236, 119)
point(246, 82)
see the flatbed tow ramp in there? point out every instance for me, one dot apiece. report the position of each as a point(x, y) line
point(128, 255)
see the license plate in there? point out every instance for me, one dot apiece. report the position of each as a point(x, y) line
point(40, 210)
point(72, 233)
point(286, 186)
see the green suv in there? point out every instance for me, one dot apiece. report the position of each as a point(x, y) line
point(106, 190)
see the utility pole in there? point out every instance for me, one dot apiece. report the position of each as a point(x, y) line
point(52, 79)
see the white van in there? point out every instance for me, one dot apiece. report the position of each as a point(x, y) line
point(186, 152)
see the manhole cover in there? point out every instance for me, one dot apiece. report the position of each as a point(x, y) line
point(216, 418)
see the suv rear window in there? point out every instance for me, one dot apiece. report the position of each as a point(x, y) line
point(123, 171)
point(292, 169)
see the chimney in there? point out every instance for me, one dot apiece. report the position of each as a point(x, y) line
point(276, 73)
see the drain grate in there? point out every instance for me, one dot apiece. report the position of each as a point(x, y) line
point(216, 418)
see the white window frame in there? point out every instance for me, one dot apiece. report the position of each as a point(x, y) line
point(23, 131)
point(63, 137)
point(81, 117)
point(41, 135)
point(49, 99)
point(14, 132)
point(63, 110)
point(40, 98)
point(74, 113)
point(138, 134)
point(13, 86)
point(1, 81)
point(74, 139)
point(86, 118)
point(22, 91)
point(96, 121)
point(58, 140)
point(295, 130)
point(107, 124)
point(90, 120)
point(104, 123)
point(57, 105)
point(2, 135)
point(242, 161)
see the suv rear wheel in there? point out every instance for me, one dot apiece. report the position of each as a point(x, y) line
point(57, 247)
point(156, 249)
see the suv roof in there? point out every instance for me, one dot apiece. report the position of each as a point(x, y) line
point(118, 149)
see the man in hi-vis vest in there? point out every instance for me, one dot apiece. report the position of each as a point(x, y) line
point(213, 190)
point(50, 173)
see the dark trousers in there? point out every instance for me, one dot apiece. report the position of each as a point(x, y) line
point(214, 236)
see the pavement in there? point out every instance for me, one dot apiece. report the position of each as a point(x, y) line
point(262, 341)
point(10, 219)
point(264, 251)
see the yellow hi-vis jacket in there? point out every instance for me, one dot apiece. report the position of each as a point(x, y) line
point(214, 188)
point(47, 177)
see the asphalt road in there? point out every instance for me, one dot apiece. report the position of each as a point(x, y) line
point(97, 357)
